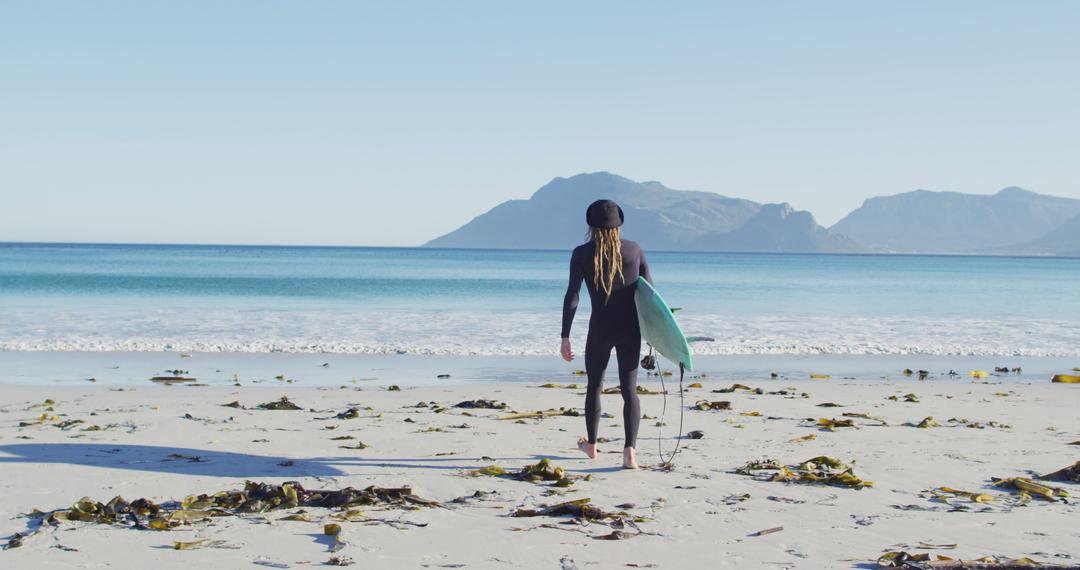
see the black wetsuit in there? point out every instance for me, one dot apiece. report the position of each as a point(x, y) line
point(613, 324)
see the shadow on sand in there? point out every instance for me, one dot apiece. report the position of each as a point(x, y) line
point(205, 462)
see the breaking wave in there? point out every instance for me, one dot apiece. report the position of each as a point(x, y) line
point(513, 333)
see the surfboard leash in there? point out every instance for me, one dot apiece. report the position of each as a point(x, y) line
point(651, 362)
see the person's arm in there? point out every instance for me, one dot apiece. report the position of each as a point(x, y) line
point(570, 300)
point(643, 270)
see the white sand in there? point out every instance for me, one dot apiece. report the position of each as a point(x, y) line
point(47, 468)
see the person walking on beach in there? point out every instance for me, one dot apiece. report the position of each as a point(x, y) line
point(609, 266)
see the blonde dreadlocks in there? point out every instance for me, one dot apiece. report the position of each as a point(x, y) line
point(607, 261)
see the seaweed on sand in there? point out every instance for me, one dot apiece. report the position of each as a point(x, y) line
point(349, 414)
point(578, 508)
point(821, 470)
point(641, 390)
point(253, 498)
point(832, 424)
point(948, 494)
point(733, 388)
point(584, 514)
point(1069, 474)
point(904, 559)
point(481, 404)
point(1028, 488)
point(543, 471)
point(541, 414)
point(283, 404)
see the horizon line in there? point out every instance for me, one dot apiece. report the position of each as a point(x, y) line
point(6, 243)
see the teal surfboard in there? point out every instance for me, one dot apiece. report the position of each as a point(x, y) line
point(658, 325)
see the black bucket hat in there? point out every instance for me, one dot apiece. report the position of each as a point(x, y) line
point(604, 214)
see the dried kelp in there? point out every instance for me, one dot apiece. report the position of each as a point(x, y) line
point(43, 419)
point(948, 494)
point(283, 404)
point(827, 424)
point(202, 543)
point(904, 559)
point(254, 498)
point(167, 380)
point(911, 398)
point(706, 405)
point(977, 425)
point(541, 414)
point(1069, 474)
point(47, 419)
point(821, 470)
point(578, 508)
point(542, 471)
point(1065, 379)
point(733, 388)
point(1028, 488)
point(927, 422)
point(641, 390)
point(863, 415)
point(481, 404)
point(349, 414)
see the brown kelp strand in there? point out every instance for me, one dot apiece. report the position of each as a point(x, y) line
point(581, 509)
point(1069, 474)
point(283, 404)
point(481, 404)
point(254, 498)
point(541, 414)
point(904, 559)
point(542, 471)
point(821, 470)
point(1026, 488)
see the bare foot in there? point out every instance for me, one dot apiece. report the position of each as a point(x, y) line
point(629, 458)
point(587, 448)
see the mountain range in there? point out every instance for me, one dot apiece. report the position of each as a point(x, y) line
point(951, 222)
point(1012, 221)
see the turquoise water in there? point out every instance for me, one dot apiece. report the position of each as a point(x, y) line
point(256, 299)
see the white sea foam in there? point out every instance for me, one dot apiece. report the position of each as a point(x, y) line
point(513, 333)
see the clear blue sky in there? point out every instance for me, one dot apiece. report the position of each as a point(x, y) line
point(390, 123)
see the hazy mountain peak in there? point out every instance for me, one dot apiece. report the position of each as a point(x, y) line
point(1015, 192)
point(657, 216)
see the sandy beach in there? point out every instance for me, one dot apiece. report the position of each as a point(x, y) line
point(59, 444)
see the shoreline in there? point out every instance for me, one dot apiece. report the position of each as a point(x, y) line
point(305, 369)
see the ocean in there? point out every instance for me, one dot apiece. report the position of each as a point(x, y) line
point(255, 299)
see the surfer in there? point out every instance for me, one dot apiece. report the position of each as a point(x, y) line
point(609, 266)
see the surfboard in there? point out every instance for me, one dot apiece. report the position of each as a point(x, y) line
point(658, 325)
